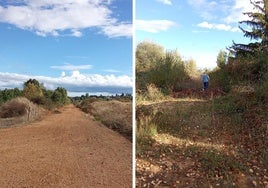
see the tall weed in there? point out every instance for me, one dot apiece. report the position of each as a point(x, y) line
point(145, 130)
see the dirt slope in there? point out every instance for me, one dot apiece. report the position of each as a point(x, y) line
point(66, 149)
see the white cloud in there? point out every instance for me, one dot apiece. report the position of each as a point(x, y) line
point(51, 17)
point(63, 74)
point(76, 33)
point(166, 2)
point(237, 10)
point(222, 27)
point(120, 30)
point(226, 11)
point(154, 26)
point(74, 80)
point(71, 67)
point(206, 9)
point(205, 25)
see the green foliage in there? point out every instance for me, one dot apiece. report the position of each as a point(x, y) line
point(36, 92)
point(190, 67)
point(259, 32)
point(8, 94)
point(147, 55)
point(220, 78)
point(248, 69)
point(221, 59)
point(168, 72)
point(165, 70)
point(145, 130)
point(33, 90)
point(32, 82)
point(262, 91)
point(151, 94)
point(59, 96)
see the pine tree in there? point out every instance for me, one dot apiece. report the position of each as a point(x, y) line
point(259, 32)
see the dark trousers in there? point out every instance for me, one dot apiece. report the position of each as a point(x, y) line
point(205, 85)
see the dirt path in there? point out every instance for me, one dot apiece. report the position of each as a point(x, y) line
point(198, 143)
point(67, 149)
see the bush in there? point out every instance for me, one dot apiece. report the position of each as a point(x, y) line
point(147, 55)
point(60, 97)
point(262, 92)
point(163, 69)
point(220, 78)
point(8, 94)
point(168, 72)
point(145, 130)
point(12, 108)
point(39, 100)
point(151, 94)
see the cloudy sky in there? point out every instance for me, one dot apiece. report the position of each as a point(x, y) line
point(83, 45)
point(198, 29)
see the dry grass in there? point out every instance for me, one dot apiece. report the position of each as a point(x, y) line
point(114, 114)
point(13, 108)
point(18, 111)
point(202, 143)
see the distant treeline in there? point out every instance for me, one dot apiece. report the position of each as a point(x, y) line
point(8, 94)
point(123, 97)
point(37, 93)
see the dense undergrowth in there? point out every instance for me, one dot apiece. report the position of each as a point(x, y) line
point(186, 137)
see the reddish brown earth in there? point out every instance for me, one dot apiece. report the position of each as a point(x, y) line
point(66, 149)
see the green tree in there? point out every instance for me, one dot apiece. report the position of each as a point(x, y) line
point(222, 59)
point(60, 96)
point(147, 55)
point(259, 30)
point(32, 90)
point(168, 72)
point(190, 67)
point(33, 82)
point(8, 94)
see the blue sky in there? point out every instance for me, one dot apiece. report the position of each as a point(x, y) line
point(82, 45)
point(198, 29)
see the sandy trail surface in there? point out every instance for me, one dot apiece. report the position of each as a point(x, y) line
point(67, 149)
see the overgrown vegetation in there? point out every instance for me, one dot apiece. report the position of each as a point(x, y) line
point(165, 70)
point(12, 108)
point(15, 103)
point(38, 94)
point(113, 112)
point(211, 138)
point(18, 111)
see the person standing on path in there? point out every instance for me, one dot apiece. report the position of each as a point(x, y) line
point(205, 79)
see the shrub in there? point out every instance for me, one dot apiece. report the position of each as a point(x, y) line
point(145, 130)
point(168, 72)
point(12, 108)
point(147, 55)
point(32, 89)
point(153, 93)
point(59, 96)
point(220, 78)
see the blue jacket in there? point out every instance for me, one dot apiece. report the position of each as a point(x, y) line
point(205, 78)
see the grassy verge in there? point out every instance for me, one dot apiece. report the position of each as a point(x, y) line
point(116, 115)
point(218, 142)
